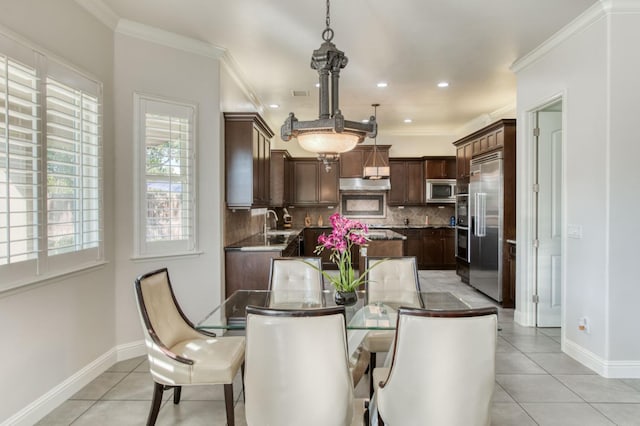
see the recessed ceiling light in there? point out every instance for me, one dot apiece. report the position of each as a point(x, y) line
point(443, 84)
point(317, 84)
point(408, 120)
point(382, 84)
point(274, 106)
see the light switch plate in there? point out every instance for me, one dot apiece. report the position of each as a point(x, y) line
point(574, 231)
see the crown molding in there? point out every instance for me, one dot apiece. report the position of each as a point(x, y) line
point(101, 11)
point(583, 21)
point(169, 39)
point(238, 77)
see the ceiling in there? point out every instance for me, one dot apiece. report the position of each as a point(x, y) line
point(411, 45)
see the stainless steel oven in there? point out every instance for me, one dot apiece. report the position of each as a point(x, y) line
point(462, 210)
point(462, 243)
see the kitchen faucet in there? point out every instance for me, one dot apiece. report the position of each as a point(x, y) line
point(266, 219)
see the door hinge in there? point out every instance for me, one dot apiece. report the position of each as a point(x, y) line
point(536, 188)
point(536, 243)
point(536, 131)
point(535, 298)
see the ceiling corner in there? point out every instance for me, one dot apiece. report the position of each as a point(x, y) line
point(100, 11)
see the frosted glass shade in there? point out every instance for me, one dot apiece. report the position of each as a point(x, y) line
point(327, 142)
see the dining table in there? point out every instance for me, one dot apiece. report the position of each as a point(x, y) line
point(365, 315)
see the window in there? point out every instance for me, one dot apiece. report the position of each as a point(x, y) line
point(166, 201)
point(50, 167)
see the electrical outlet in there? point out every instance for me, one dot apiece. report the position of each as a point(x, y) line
point(584, 325)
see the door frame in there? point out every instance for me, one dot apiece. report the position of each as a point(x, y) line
point(525, 313)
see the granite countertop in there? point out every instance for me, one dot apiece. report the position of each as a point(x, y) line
point(276, 240)
point(395, 225)
point(384, 234)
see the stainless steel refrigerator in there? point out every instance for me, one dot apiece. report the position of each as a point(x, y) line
point(486, 211)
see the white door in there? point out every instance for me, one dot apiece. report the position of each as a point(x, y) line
point(549, 216)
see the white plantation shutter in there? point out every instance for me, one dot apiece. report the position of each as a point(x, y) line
point(50, 167)
point(19, 162)
point(167, 192)
point(73, 169)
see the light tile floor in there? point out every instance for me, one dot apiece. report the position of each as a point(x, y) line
point(536, 384)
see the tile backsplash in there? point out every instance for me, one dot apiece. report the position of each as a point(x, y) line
point(241, 224)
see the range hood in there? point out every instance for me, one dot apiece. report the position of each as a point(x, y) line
point(359, 184)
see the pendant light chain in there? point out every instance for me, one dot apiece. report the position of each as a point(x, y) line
point(375, 139)
point(327, 34)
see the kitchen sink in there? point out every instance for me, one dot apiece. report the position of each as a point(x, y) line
point(280, 232)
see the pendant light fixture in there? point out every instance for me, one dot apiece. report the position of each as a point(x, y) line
point(330, 134)
point(379, 171)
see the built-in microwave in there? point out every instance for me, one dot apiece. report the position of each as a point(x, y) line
point(441, 191)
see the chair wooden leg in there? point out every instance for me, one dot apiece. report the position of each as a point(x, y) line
point(176, 394)
point(155, 403)
point(380, 421)
point(372, 365)
point(228, 401)
point(244, 397)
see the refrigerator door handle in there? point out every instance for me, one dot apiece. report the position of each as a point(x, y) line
point(482, 214)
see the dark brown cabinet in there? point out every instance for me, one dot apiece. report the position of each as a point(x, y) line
point(280, 180)
point(438, 249)
point(312, 184)
point(433, 248)
point(247, 160)
point(509, 274)
point(440, 168)
point(407, 182)
point(352, 162)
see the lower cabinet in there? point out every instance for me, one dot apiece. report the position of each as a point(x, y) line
point(509, 275)
point(249, 270)
point(433, 248)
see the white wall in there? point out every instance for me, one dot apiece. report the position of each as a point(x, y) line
point(52, 330)
point(624, 195)
point(598, 131)
point(151, 68)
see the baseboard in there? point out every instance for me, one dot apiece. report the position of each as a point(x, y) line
point(628, 369)
point(42, 406)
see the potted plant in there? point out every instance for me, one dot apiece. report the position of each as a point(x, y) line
point(344, 235)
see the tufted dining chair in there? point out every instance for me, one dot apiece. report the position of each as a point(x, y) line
point(297, 369)
point(389, 280)
point(178, 354)
point(295, 281)
point(453, 386)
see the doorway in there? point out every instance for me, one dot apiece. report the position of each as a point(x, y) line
point(548, 208)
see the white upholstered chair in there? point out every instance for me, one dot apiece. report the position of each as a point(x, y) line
point(442, 371)
point(295, 281)
point(179, 355)
point(297, 369)
point(389, 280)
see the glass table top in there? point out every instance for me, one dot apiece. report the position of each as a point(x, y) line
point(364, 315)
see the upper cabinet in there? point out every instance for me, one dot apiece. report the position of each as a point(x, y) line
point(280, 178)
point(440, 168)
point(247, 141)
point(311, 184)
point(407, 182)
point(497, 135)
point(352, 162)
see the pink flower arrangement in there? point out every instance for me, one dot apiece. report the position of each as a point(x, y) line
point(345, 234)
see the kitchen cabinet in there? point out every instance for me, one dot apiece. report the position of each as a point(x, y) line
point(352, 162)
point(497, 135)
point(440, 168)
point(312, 185)
point(280, 179)
point(509, 274)
point(247, 160)
point(433, 248)
point(249, 270)
point(438, 250)
point(407, 182)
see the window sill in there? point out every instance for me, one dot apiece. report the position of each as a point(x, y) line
point(150, 257)
point(33, 282)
